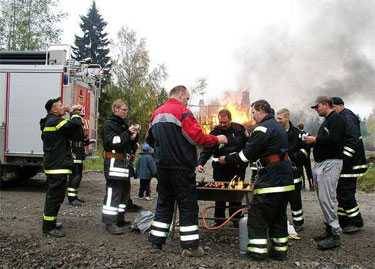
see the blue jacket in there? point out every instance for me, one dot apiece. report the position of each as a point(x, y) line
point(145, 167)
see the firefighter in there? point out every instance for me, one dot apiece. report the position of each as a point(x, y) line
point(174, 134)
point(236, 141)
point(328, 146)
point(355, 165)
point(118, 140)
point(56, 135)
point(79, 141)
point(295, 147)
point(306, 160)
point(268, 146)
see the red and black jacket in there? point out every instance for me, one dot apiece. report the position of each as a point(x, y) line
point(174, 133)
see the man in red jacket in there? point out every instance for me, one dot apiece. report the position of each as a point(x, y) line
point(174, 133)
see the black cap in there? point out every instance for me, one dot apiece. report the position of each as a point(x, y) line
point(337, 101)
point(50, 103)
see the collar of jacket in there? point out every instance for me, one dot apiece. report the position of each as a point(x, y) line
point(175, 101)
point(330, 114)
point(268, 117)
point(117, 119)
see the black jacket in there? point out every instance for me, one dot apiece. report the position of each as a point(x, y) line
point(267, 138)
point(330, 139)
point(236, 141)
point(116, 139)
point(354, 157)
point(56, 135)
point(78, 145)
point(295, 149)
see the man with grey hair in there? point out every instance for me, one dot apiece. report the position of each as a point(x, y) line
point(328, 146)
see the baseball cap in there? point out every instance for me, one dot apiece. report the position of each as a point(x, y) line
point(321, 100)
point(50, 103)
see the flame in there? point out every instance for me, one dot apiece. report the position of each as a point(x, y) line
point(239, 115)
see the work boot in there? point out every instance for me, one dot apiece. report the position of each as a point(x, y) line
point(192, 252)
point(156, 248)
point(59, 226)
point(350, 229)
point(326, 234)
point(57, 233)
point(75, 203)
point(114, 229)
point(278, 256)
point(298, 228)
point(256, 256)
point(330, 242)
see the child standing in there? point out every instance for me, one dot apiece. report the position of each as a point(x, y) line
point(146, 169)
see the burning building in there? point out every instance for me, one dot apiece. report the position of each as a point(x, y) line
point(237, 102)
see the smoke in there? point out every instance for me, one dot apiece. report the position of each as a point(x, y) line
point(324, 48)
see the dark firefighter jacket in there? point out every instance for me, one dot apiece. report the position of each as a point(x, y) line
point(174, 134)
point(236, 141)
point(117, 143)
point(296, 151)
point(78, 145)
point(267, 138)
point(330, 139)
point(355, 164)
point(56, 135)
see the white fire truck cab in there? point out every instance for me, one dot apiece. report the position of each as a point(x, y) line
point(27, 81)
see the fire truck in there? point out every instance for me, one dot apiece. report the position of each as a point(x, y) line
point(27, 81)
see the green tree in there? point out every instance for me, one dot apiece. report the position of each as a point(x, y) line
point(29, 24)
point(94, 42)
point(136, 83)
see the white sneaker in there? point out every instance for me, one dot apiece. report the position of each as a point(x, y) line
point(148, 198)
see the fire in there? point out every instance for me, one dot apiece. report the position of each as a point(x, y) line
point(239, 114)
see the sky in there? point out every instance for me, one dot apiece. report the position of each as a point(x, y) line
point(260, 45)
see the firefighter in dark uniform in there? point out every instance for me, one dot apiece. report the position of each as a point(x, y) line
point(354, 166)
point(174, 134)
point(236, 141)
point(305, 162)
point(79, 141)
point(118, 140)
point(295, 145)
point(268, 144)
point(56, 135)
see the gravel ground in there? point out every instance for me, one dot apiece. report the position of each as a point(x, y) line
point(87, 245)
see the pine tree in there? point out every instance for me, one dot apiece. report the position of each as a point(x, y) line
point(94, 42)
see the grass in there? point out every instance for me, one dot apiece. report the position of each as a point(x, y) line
point(93, 163)
point(366, 183)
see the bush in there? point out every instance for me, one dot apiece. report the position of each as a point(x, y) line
point(367, 182)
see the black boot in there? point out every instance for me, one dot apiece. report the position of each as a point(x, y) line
point(114, 229)
point(54, 233)
point(330, 242)
point(325, 235)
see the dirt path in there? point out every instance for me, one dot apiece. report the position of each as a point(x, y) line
point(87, 245)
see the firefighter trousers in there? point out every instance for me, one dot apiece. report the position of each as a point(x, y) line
point(295, 201)
point(54, 198)
point(117, 193)
point(74, 181)
point(267, 219)
point(176, 186)
point(348, 209)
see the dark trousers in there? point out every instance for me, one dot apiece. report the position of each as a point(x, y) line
point(176, 185)
point(267, 218)
point(54, 198)
point(348, 210)
point(74, 181)
point(144, 187)
point(117, 193)
point(295, 200)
